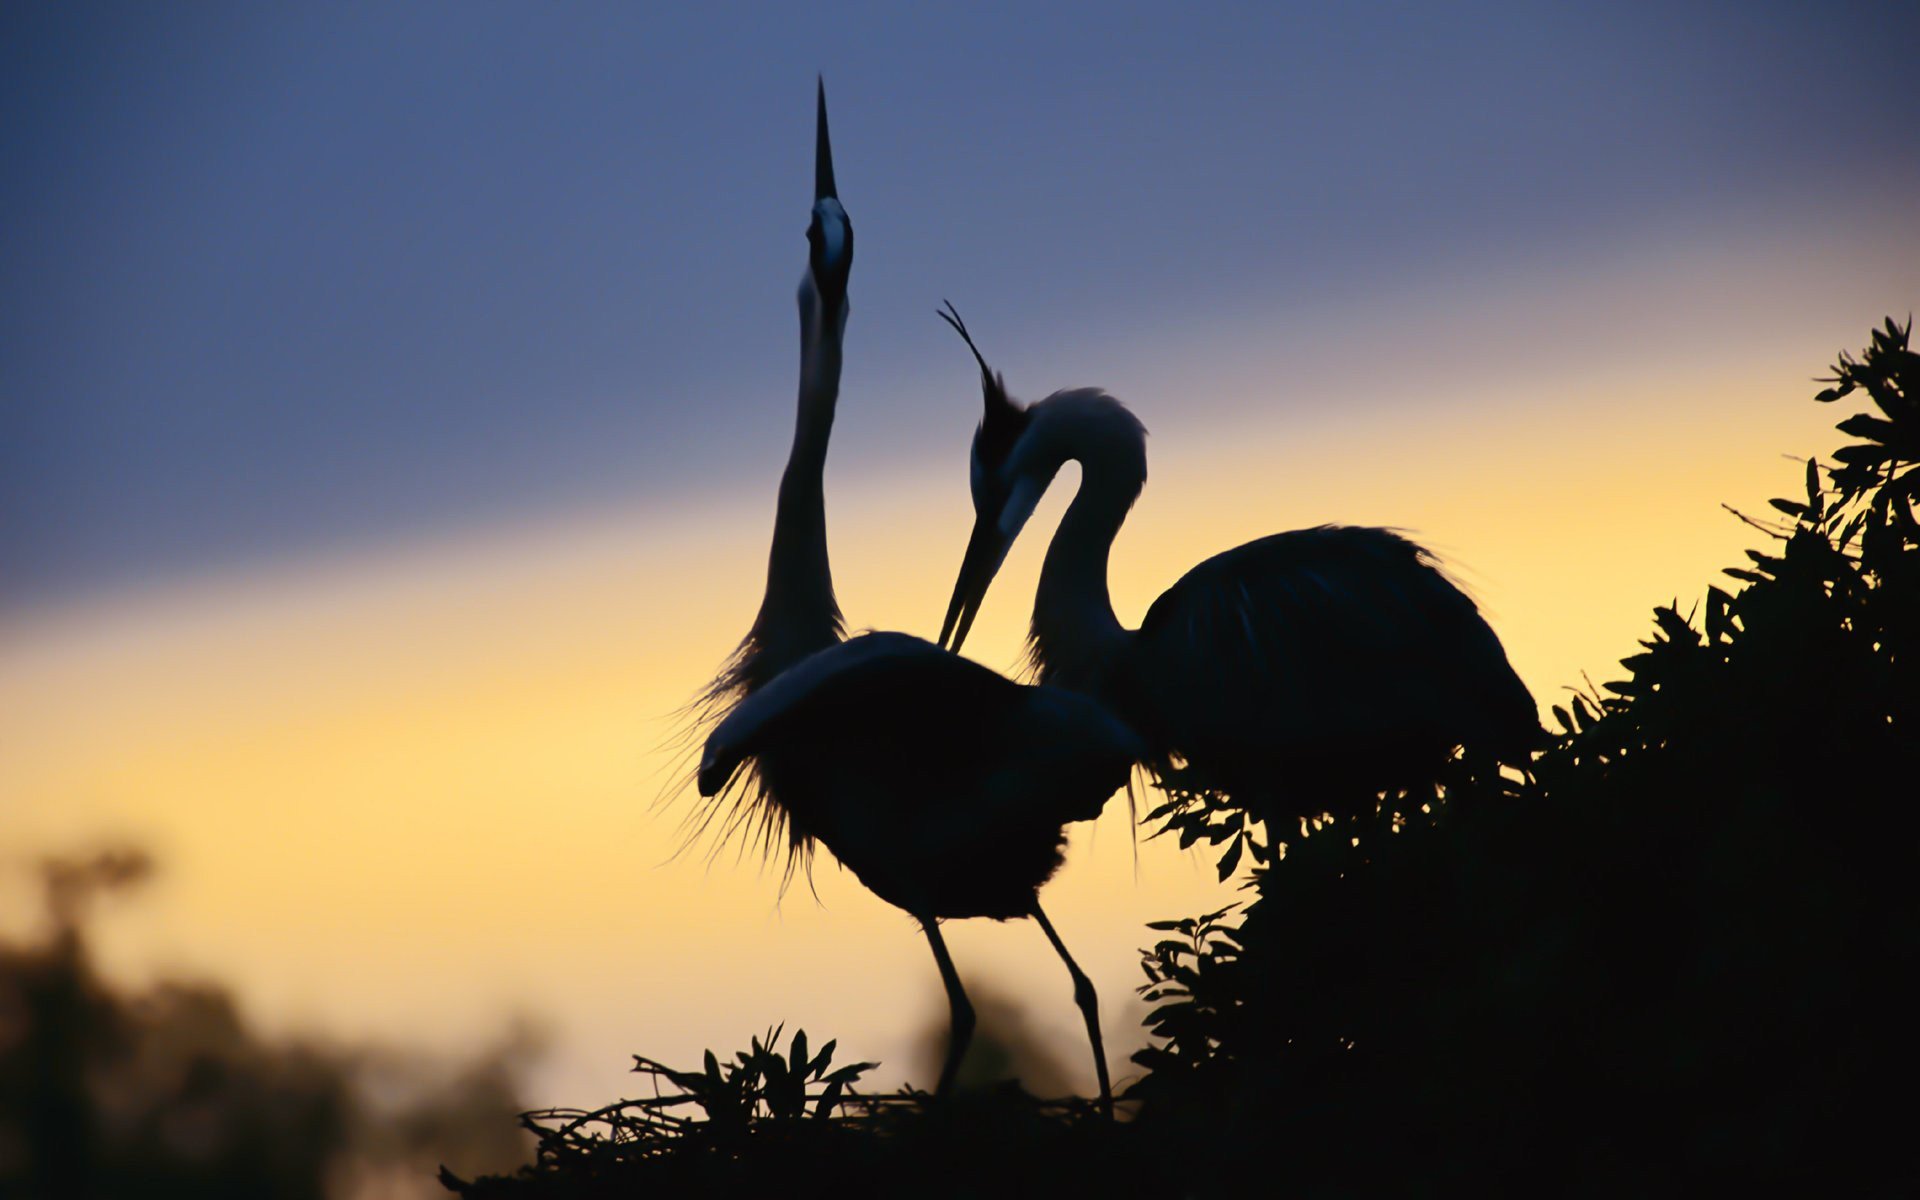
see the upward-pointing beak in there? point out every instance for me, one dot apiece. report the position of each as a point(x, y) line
point(823, 188)
point(831, 233)
point(986, 550)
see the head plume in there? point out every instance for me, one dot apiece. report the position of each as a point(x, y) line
point(1002, 420)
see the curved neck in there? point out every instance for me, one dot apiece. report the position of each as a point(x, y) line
point(1075, 633)
point(798, 614)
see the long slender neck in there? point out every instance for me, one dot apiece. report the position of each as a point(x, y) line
point(1075, 633)
point(799, 614)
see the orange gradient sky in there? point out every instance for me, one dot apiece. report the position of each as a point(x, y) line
point(393, 399)
point(403, 790)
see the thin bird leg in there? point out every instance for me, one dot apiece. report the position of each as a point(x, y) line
point(961, 1031)
point(1089, 1007)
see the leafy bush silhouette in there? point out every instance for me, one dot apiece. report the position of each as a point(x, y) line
point(793, 1124)
point(764, 1111)
point(1674, 954)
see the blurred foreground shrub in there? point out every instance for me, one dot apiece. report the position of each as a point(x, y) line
point(167, 1092)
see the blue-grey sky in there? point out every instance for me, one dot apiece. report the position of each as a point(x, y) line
point(273, 280)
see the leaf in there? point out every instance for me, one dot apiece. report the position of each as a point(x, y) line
point(1888, 401)
point(1231, 858)
point(1675, 626)
point(1792, 508)
point(1873, 429)
point(823, 1108)
point(1718, 605)
point(1851, 529)
point(1865, 456)
point(1170, 806)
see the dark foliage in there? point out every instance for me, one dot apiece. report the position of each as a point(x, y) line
point(795, 1125)
point(1674, 955)
point(1677, 955)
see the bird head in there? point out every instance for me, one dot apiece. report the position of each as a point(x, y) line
point(1003, 499)
point(830, 232)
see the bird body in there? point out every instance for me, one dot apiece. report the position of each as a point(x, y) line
point(943, 786)
point(1317, 659)
point(1322, 656)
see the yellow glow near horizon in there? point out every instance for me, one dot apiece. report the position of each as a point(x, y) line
point(409, 792)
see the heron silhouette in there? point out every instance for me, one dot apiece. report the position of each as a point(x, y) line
point(1297, 673)
point(943, 786)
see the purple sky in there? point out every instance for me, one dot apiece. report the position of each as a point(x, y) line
point(273, 281)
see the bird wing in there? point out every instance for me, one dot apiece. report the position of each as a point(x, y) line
point(1320, 640)
point(864, 672)
point(1080, 751)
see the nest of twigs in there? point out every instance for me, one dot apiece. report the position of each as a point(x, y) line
point(796, 1122)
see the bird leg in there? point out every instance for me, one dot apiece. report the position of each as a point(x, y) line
point(961, 1030)
point(1089, 1004)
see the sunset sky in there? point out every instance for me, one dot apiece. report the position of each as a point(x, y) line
point(393, 401)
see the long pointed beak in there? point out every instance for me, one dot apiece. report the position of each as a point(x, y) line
point(830, 235)
point(986, 550)
point(823, 188)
